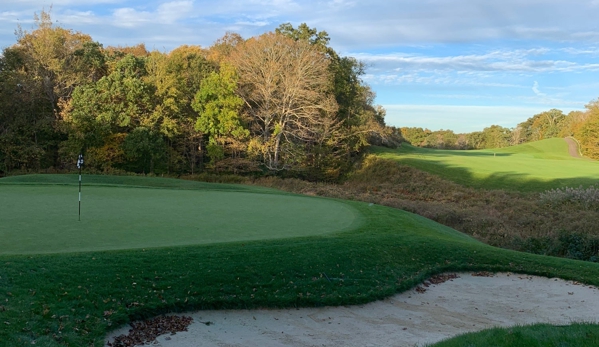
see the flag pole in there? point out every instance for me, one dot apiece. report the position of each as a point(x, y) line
point(79, 165)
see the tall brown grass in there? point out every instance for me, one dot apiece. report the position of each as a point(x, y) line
point(519, 221)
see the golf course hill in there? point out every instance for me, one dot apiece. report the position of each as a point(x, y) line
point(534, 166)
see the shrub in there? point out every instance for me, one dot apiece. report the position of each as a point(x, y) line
point(585, 198)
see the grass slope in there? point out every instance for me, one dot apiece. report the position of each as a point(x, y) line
point(535, 166)
point(43, 218)
point(76, 298)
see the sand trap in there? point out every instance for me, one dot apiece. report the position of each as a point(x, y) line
point(465, 304)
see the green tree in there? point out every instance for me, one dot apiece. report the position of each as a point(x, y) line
point(144, 150)
point(444, 139)
point(415, 136)
point(305, 33)
point(176, 77)
point(496, 136)
point(476, 140)
point(218, 107)
point(116, 104)
point(26, 124)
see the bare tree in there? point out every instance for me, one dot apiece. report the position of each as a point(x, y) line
point(286, 87)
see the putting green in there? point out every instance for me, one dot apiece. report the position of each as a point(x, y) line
point(43, 218)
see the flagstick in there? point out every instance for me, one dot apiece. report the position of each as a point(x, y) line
point(79, 166)
point(80, 193)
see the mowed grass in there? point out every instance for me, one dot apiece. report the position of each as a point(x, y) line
point(537, 335)
point(74, 299)
point(535, 166)
point(119, 217)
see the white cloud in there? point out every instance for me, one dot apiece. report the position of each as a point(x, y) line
point(350, 23)
point(581, 51)
point(535, 89)
point(78, 18)
point(494, 61)
point(170, 12)
point(129, 17)
point(165, 13)
point(256, 23)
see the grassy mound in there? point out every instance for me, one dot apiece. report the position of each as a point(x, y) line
point(535, 166)
point(76, 298)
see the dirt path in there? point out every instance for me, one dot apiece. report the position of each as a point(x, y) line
point(572, 147)
point(420, 316)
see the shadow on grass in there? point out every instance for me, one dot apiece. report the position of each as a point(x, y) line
point(506, 180)
point(431, 152)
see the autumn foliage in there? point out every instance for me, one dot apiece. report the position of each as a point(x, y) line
point(279, 103)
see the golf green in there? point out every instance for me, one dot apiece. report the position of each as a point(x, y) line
point(44, 218)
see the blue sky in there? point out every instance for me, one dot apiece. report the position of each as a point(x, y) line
point(440, 64)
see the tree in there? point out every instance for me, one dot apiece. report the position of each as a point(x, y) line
point(223, 47)
point(588, 132)
point(58, 58)
point(305, 33)
point(496, 136)
point(541, 126)
point(116, 104)
point(25, 118)
point(39, 74)
point(138, 50)
point(415, 136)
point(360, 123)
point(572, 123)
point(285, 85)
point(176, 77)
point(218, 108)
point(144, 149)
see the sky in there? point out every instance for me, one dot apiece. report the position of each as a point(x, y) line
point(438, 64)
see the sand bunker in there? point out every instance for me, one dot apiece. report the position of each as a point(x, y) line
point(420, 316)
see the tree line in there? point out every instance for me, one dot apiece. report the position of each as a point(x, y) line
point(280, 103)
point(582, 125)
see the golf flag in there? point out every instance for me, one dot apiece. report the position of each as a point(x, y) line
point(80, 161)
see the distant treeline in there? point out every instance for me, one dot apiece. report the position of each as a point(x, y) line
point(280, 103)
point(582, 125)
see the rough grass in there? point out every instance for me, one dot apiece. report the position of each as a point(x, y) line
point(531, 167)
point(74, 299)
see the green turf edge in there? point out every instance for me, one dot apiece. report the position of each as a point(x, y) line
point(535, 335)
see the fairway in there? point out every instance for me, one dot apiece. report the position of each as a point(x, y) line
point(43, 218)
point(535, 166)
